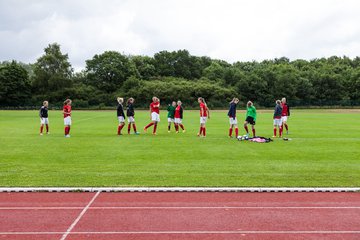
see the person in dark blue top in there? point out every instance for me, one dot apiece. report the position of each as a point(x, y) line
point(120, 114)
point(232, 117)
point(44, 120)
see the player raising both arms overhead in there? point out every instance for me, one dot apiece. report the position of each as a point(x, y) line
point(178, 117)
point(130, 113)
point(154, 114)
point(120, 115)
point(67, 116)
point(250, 118)
point(277, 118)
point(232, 117)
point(285, 114)
point(44, 120)
point(204, 115)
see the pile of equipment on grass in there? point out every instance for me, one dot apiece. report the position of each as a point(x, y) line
point(254, 139)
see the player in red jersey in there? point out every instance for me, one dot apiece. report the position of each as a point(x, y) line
point(178, 117)
point(67, 116)
point(154, 114)
point(204, 115)
point(285, 114)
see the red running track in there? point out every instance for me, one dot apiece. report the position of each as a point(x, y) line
point(163, 216)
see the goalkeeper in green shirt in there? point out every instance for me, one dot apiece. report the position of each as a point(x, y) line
point(171, 114)
point(250, 118)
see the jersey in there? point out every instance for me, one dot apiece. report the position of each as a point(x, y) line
point(120, 110)
point(43, 112)
point(277, 112)
point(251, 112)
point(154, 106)
point(171, 111)
point(203, 110)
point(67, 111)
point(232, 110)
point(130, 112)
point(178, 112)
point(285, 110)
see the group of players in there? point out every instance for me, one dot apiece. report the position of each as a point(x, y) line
point(175, 116)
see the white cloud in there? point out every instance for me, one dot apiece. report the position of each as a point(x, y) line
point(226, 29)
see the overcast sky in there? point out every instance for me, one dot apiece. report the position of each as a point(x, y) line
point(232, 30)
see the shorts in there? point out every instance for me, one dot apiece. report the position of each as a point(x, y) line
point(67, 121)
point(131, 119)
point(121, 119)
point(284, 118)
point(178, 120)
point(44, 120)
point(170, 120)
point(250, 120)
point(155, 117)
point(277, 122)
point(233, 121)
point(203, 120)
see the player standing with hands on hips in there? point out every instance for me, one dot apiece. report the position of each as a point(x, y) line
point(44, 120)
point(154, 114)
point(67, 116)
point(232, 117)
point(204, 115)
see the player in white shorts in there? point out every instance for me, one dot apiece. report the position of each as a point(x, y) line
point(120, 115)
point(285, 114)
point(178, 117)
point(155, 114)
point(44, 120)
point(67, 116)
point(232, 117)
point(204, 115)
point(130, 113)
point(171, 114)
point(277, 118)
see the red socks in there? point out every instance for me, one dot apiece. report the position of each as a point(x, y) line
point(41, 128)
point(120, 127)
point(246, 129)
point(155, 126)
point(129, 128)
point(134, 127)
point(67, 130)
point(275, 131)
point(202, 131)
point(286, 127)
point(230, 132)
point(280, 131)
point(182, 127)
point(149, 125)
point(253, 132)
point(177, 127)
point(236, 132)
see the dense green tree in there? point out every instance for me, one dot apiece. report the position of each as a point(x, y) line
point(14, 85)
point(109, 70)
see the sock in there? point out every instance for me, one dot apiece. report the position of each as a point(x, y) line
point(41, 128)
point(47, 127)
point(182, 126)
point(253, 132)
point(236, 132)
point(286, 127)
point(200, 132)
point(134, 127)
point(129, 128)
point(119, 129)
point(149, 125)
point(169, 127)
point(204, 131)
point(275, 131)
point(246, 129)
point(280, 131)
point(155, 126)
point(66, 130)
point(177, 127)
point(230, 132)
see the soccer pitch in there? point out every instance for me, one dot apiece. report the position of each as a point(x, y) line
point(324, 152)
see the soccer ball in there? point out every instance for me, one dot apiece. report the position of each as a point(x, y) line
point(240, 138)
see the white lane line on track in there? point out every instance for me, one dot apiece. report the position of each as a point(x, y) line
point(79, 217)
point(175, 208)
point(189, 232)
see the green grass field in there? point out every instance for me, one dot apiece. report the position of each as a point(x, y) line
point(324, 152)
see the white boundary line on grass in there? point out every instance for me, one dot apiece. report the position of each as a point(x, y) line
point(173, 189)
point(79, 217)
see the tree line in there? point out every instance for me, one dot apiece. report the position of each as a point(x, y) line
point(178, 75)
